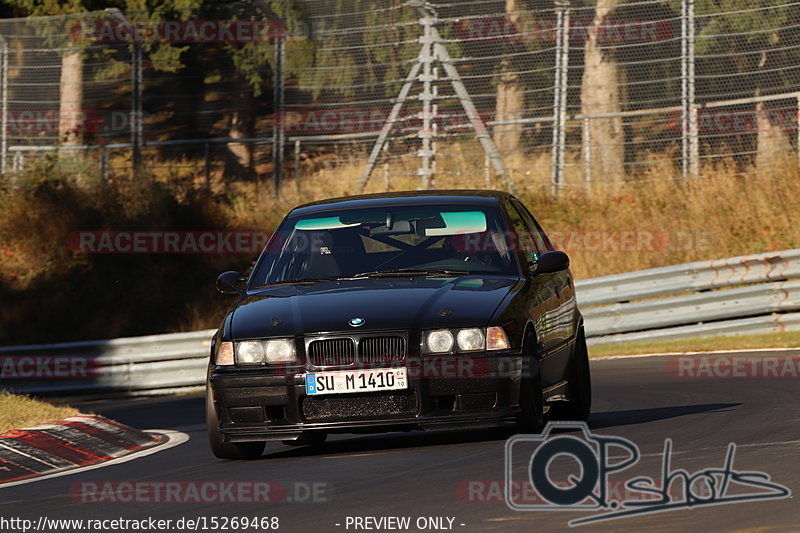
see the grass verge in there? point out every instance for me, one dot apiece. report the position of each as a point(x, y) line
point(21, 411)
point(700, 344)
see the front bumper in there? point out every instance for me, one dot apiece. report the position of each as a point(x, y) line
point(468, 391)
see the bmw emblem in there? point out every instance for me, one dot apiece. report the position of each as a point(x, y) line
point(356, 322)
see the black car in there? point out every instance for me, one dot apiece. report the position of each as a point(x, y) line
point(399, 311)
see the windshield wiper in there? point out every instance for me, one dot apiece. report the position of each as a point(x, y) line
point(402, 272)
point(298, 281)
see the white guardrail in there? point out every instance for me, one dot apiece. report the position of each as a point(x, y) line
point(748, 294)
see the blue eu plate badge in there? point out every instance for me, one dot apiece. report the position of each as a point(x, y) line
point(311, 384)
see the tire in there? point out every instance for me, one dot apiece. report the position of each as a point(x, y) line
point(314, 439)
point(227, 450)
point(579, 385)
point(531, 399)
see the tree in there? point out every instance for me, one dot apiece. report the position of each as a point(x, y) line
point(601, 92)
point(753, 52)
point(66, 33)
point(71, 84)
point(510, 103)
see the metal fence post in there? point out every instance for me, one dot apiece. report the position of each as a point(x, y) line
point(207, 164)
point(797, 124)
point(297, 164)
point(690, 146)
point(560, 94)
point(3, 105)
point(104, 162)
point(136, 111)
point(587, 150)
point(279, 127)
point(386, 180)
point(425, 134)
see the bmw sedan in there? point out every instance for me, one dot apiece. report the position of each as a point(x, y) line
point(398, 311)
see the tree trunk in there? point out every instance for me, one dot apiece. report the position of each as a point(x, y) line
point(239, 157)
point(601, 93)
point(510, 98)
point(71, 122)
point(772, 141)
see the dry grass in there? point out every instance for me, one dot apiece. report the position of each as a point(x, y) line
point(652, 220)
point(700, 344)
point(22, 411)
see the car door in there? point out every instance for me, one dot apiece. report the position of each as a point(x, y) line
point(564, 283)
point(555, 323)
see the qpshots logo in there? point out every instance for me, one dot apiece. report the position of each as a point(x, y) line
point(599, 460)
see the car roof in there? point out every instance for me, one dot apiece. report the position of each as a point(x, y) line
point(465, 196)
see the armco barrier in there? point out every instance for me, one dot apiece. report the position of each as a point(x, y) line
point(154, 364)
point(748, 294)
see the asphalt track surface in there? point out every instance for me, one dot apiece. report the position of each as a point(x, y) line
point(425, 474)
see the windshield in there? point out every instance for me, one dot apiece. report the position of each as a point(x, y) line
point(457, 239)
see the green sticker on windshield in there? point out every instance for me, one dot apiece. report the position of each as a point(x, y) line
point(459, 223)
point(312, 224)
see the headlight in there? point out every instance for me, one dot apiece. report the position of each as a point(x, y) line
point(279, 351)
point(224, 355)
point(270, 351)
point(496, 339)
point(464, 340)
point(250, 352)
point(438, 341)
point(470, 339)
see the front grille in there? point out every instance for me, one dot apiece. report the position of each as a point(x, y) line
point(359, 406)
point(375, 350)
point(332, 352)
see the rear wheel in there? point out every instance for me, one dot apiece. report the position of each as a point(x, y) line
point(227, 450)
point(579, 384)
point(531, 399)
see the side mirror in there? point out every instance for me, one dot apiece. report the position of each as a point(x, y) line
point(230, 282)
point(549, 262)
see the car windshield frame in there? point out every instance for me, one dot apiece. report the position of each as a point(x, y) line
point(495, 216)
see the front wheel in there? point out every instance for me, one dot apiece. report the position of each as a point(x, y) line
point(227, 450)
point(531, 398)
point(579, 384)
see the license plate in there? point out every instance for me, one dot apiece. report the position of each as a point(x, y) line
point(347, 381)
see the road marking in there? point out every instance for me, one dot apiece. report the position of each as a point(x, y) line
point(174, 438)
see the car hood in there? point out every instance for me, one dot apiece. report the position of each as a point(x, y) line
point(383, 303)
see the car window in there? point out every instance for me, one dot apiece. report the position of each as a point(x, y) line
point(345, 243)
point(540, 239)
point(522, 235)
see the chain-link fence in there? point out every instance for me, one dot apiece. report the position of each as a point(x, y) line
point(391, 94)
